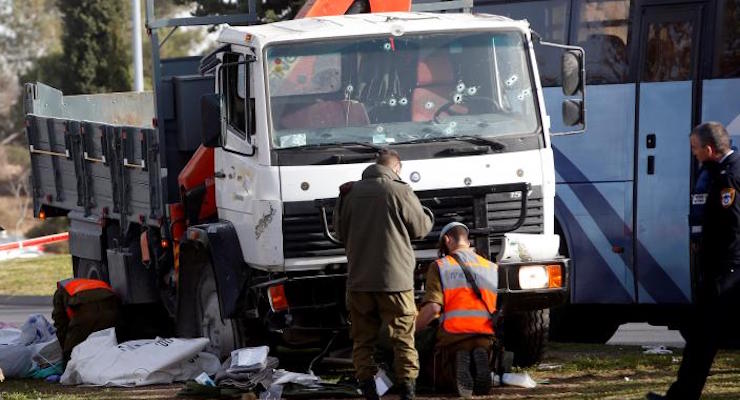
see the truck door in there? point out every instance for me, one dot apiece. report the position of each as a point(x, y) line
point(667, 63)
point(235, 160)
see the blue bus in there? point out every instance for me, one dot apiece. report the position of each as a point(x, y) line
point(655, 69)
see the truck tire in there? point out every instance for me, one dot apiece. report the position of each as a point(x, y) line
point(526, 335)
point(89, 269)
point(221, 332)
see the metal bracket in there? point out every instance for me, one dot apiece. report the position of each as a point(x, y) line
point(325, 222)
point(49, 153)
point(93, 159)
point(142, 165)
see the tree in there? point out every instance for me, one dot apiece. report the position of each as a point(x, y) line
point(96, 55)
point(267, 10)
point(29, 29)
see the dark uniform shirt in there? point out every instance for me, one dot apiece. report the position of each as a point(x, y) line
point(721, 233)
point(699, 200)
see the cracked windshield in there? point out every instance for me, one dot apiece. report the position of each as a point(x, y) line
point(397, 89)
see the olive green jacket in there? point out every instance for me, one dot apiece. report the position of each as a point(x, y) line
point(376, 218)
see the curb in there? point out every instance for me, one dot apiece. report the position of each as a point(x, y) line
point(26, 300)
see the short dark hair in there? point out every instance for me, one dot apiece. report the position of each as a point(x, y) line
point(457, 234)
point(388, 157)
point(712, 134)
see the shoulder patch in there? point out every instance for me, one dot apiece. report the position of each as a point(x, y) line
point(727, 196)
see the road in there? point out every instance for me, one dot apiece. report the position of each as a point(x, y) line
point(640, 334)
point(17, 314)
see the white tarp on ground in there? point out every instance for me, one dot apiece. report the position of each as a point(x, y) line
point(101, 361)
point(33, 346)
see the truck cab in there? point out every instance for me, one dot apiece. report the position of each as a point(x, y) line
point(306, 104)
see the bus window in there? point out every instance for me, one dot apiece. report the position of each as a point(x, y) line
point(602, 29)
point(548, 18)
point(668, 56)
point(727, 50)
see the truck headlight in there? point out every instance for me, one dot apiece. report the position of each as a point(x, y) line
point(541, 276)
point(533, 277)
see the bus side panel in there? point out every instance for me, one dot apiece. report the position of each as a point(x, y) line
point(594, 172)
point(721, 103)
point(596, 220)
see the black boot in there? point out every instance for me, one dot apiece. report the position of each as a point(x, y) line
point(408, 390)
point(482, 381)
point(368, 389)
point(463, 377)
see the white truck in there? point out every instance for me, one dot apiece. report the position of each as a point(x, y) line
point(213, 206)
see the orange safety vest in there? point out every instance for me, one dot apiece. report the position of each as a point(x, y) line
point(76, 285)
point(463, 311)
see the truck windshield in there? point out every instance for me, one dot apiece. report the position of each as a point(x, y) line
point(397, 89)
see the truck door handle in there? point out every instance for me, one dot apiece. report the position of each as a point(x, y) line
point(219, 174)
point(650, 141)
point(651, 165)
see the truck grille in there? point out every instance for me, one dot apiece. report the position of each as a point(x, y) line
point(303, 233)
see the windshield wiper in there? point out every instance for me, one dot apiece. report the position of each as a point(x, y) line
point(493, 144)
point(340, 144)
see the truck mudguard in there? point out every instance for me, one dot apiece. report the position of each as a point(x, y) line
point(232, 275)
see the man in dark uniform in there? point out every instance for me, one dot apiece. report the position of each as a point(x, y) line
point(719, 257)
point(376, 218)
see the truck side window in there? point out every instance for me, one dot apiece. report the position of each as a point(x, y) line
point(235, 90)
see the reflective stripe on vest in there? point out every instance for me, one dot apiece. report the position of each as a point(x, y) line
point(76, 285)
point(463, 311)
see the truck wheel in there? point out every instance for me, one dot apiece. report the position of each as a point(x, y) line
point(525, 334)
point(89, 269)
point(221, 332)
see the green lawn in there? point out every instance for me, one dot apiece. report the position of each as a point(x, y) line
point(34, 276)
point(570, 371)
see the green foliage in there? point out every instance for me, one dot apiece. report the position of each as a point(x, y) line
point(268, 11)
point(50, 226)
point(96, 54)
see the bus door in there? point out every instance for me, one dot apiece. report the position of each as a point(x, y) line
point(667, 69)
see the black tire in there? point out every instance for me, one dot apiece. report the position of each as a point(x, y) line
point(526, 335)
point(222, 333)
point(89, 269)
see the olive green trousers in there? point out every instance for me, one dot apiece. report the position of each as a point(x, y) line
point(372, 311)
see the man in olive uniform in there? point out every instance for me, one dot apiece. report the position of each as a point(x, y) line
point(719, 257)
point(81, 307)
point(376, 218)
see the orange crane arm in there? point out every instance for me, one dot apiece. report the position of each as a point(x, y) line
point(323, 8)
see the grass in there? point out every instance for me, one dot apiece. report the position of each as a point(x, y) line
point(574, 371)
point(34, 276)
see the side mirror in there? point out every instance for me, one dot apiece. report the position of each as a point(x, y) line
point(573, 112)
point(572, 72)
point(574, 81)
point(210, 107)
